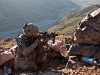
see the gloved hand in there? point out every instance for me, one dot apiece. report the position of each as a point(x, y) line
point(29, 49)
point(37, 42)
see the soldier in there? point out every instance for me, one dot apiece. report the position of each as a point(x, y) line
point(27, 42)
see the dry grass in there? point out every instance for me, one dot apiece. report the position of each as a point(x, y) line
point(7, 43)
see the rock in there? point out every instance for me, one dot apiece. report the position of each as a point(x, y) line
point(89, 29)
point(49, 73)
point(14, 49)
point(5, 57)
point(83, 50)
point(87, 35)
point(69, 40)
point(92, 19)
point(27, 74)
point(42, 73)
point(63, 50)
point(1, 72)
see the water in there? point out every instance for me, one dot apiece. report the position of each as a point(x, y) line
point(43, 26)
point(9, 71)
point(10, 34)
point(90, 61)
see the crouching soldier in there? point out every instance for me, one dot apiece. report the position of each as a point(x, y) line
point(27, 42)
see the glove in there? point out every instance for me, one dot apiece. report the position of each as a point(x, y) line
point(28, 50)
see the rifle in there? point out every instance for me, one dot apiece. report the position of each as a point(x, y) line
point(45, 35)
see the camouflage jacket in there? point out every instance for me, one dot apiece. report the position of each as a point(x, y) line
point(26, 46)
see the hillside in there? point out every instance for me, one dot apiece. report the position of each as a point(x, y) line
point(85, 3)
point(54, 66)
point(69, 23)
point(44, 13)
point(14, 13)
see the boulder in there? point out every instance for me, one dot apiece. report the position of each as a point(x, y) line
point(1, 72)
point(87, 35)
point(6, 56)
point(89, 30)
point(92, 19)
point(82, 50)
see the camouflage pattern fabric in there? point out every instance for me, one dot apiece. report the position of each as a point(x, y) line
point(27, 43)
point(26, 54)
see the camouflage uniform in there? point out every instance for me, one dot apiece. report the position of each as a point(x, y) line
point(27, 43)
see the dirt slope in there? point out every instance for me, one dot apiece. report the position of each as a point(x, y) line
point(58, 65)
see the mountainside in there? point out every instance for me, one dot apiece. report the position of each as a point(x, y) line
point(44, 13)
point(69, 23)
point(85, 3)
point(14, 13)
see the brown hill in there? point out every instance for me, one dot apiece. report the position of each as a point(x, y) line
point(69, 23)
point(55, 66)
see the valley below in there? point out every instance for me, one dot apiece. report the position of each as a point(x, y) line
point(43, 25)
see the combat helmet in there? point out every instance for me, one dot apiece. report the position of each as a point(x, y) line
point(29, 29)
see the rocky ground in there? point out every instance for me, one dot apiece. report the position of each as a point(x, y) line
point(55, 66)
